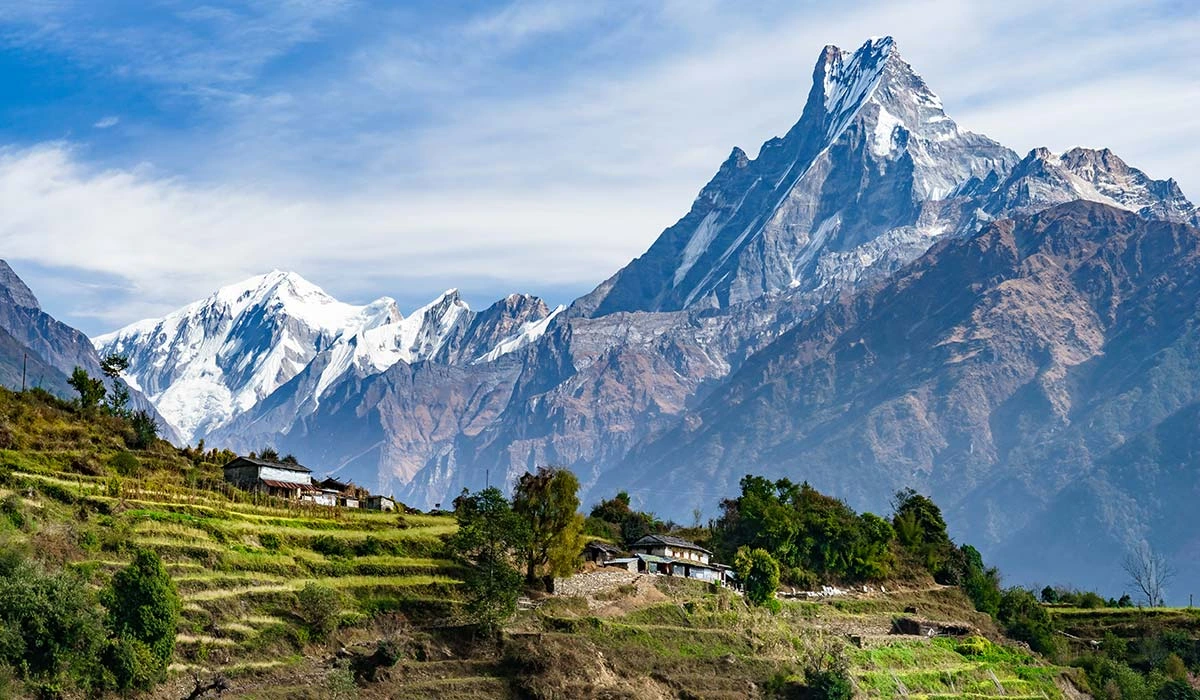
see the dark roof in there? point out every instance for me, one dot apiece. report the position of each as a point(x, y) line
point(267, 463)
point(332, 483)
point(655, 540)
point(602, 546)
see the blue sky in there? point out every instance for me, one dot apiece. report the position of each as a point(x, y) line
point(153, 151)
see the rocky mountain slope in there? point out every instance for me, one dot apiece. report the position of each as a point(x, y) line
point(777, 327)
point(1027, 366)
point(46, 350)
point(219, 358)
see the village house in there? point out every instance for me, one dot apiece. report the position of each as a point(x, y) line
point(379, 503)
point(349, 495)
point(671, 556)
point(598, 552)
point(273, 478)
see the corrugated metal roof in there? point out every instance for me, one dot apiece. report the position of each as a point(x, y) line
point(655, 559)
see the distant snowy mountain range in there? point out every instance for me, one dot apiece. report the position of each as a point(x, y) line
point(217, 358)
point(700, 360)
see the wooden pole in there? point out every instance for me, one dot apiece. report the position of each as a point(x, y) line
point(24, 367)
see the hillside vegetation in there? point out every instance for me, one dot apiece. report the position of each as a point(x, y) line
point(282, 600)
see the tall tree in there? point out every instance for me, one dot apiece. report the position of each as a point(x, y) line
point(489, 539)
point(143, 609)
point(1150, 572)
point(548, 503)
point(113, 365)
point(91, 390)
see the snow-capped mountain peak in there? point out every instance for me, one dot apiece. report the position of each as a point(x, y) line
point(217, 357)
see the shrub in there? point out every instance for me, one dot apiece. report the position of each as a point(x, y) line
point(758, 573)
point(11, 509)
point(828, 684)
point(270, 541)
point(143, 610)
point(321, 608)
point(51, 630)
point(332, 546)
point(1026, 620)
point(125, 464)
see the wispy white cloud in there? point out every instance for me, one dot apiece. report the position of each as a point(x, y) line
point(107, 122)
point(541, 144)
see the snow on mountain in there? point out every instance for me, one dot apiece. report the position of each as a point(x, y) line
point(218, 358)
point(1043, 179)
point(872, 158)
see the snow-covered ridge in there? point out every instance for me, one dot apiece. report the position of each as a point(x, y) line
point(217, 358)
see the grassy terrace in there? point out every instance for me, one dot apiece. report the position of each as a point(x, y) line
point(237, 564)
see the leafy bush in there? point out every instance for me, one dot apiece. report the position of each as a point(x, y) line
point(143, 609)
point(828, 684)
point(332, 546)
point(270, 541)
point(125, 464)
point(10, 508)
point(321, 608)
point(1024, 619)
point(51, 629)
point(758, 573)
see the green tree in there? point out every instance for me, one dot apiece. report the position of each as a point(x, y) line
point(921, 528)
point(548, 503)
point(489, 537)
point(113, 365)
point(1025, 619)
point(51, 629)
point(321, 609)
point(981, 584)
point(143, 609)
point(623, 522)
point(145, 429)
point(758, 572)
point(91, 390)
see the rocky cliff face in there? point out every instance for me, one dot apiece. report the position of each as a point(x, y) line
point(1004, 373)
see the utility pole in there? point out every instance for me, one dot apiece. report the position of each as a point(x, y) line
point(487, 478)
point(24, 367)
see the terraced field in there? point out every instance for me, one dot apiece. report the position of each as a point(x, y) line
point(238, 565)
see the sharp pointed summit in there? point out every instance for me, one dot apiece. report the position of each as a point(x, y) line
point(853, 190)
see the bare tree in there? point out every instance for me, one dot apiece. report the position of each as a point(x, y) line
point(1149, 572)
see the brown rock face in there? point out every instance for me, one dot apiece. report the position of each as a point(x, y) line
point(1000, 373)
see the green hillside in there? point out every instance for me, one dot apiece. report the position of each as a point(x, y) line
point(281, 600)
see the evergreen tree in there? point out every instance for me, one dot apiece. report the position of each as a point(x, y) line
point(113, 365)
point(91, 390)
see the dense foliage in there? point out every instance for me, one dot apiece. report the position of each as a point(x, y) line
point(547, 502)
point(813, 536)
point(615, 519)
point(758, 572)
point(489, 540)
